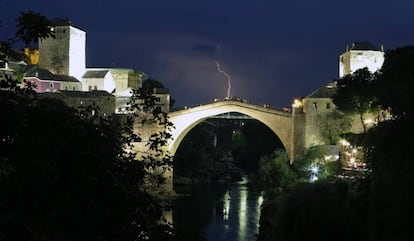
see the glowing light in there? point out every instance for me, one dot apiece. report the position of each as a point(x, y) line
point(344, 143)
point(297, 103)
point(243, 214)
point(368, 121)
point(228, 78)
point(226, 206)
point(354, 151)
point(315, 169)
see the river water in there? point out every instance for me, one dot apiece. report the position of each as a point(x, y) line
point(218, 212)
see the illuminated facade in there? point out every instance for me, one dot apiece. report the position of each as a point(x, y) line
point(45, 81)
point(360, 55)
point(66, 53)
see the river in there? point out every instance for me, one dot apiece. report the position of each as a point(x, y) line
point(218, 212)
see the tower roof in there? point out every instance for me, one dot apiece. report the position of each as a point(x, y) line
point(365, 45)
point(326, 91)
point(63, 22)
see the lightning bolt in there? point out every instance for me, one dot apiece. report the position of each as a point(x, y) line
point(228, 78)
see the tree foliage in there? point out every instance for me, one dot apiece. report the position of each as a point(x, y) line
point(355, 94)
point(332, 125)
point(31, 27)
point(390, 148)
point(394, 87)
point(274, 174)
point(71, 175)
point(157, 162)
point(150, 84)
point(66, 175)
point(379, 206)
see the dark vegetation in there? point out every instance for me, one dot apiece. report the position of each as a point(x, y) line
point(219, 150)
point(68, 174)
point(375, 206)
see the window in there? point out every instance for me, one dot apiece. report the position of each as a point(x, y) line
point(315, 106)
point(90, 87)
point(328, 105)
point(95, 87)
point(51, 85)
point(157, 99)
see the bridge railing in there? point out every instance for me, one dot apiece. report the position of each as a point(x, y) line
point(284, 109)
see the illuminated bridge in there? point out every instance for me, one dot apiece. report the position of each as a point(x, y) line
point(287, 126)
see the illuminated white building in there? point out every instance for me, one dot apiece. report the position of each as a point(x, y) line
point(360, 55)
point(66, 53)
point(319, 103)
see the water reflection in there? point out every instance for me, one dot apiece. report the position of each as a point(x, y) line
point(219, 213)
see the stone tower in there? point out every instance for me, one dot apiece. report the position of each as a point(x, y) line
point(66, 53)
point(360, 55)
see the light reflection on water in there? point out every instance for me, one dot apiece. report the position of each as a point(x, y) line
point(230, 214)
point(241, 220)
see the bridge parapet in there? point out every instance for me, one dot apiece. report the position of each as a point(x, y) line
point(267, 109)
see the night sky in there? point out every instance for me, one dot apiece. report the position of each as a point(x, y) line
point(273, 50)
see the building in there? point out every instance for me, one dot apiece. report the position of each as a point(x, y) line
point(45, 81)
point(98, 102)
point(361, 55)
point(66, 53)
point(98, 80)
point(162, 99)
point(318, 104)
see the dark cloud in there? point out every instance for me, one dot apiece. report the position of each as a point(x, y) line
point(206, 48)
point(273, 50)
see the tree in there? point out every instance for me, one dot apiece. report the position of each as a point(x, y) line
point(155, 157)
point(33, 26)
point(75, 180)
point(390, 148)
point(274, 174)
point(196, 153)
point(68, 175)
point(30, 28)
point(332, 125)
point(396, 82)
point(355, 94)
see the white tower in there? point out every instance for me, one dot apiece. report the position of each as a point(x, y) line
point(66, 53)
point(360, 55)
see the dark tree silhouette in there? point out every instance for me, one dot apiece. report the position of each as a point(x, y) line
point(69, 175)
point(395, 85)
point(33, 26)
point(355, 94)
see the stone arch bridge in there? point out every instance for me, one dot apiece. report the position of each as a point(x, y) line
point(287, 126)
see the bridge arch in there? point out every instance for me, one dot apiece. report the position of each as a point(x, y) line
point(279, 122)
